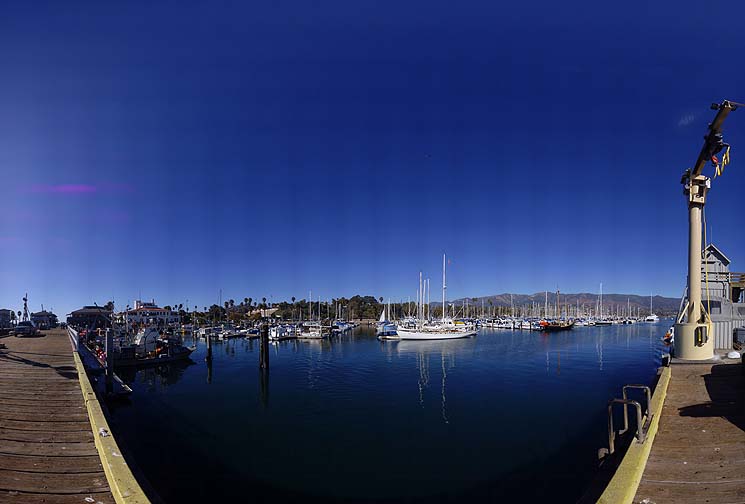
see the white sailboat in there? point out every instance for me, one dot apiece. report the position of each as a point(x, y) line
point(601, 320)
point(386, 328)
point(446, 328)
point(651, 317)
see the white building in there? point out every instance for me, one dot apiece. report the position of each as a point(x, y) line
point(150, 313)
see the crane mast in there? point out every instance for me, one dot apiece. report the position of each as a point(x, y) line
point(692, 339)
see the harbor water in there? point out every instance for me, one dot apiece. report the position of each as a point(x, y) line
point(506, 414)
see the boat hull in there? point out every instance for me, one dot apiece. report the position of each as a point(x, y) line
point(415, 334)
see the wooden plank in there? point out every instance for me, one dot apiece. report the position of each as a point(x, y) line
point(47, 449)
point(54, 399)
point(53, 482)
point(42, 425)
point(48, 436)
point(15, 497)
point(36, 463)
point(27, 416)
point(42, 409)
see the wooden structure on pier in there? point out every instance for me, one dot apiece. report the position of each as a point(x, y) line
point(47, 448)
point(697, 454)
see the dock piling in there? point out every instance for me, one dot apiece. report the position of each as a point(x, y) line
point(109, 361)
point(264, 347)
point(208, 358)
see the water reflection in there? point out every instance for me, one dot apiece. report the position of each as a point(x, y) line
point(446, 351)
point(264, 387)
point(159, 376)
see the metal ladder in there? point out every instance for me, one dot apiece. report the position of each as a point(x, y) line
point(643, 418)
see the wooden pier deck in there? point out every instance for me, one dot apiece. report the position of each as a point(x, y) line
point(698, 453)
point(47, 449)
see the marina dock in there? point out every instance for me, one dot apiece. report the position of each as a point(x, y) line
point(695, 446)
point(48, 450)
point(698, 453)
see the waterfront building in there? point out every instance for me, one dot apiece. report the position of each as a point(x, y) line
point(722, 295)
point(149, 313)
point(44, 319)
point(5, 318)
point(90, 317)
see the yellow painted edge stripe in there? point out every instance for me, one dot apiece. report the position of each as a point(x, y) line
point(123, 484)
point(625, 482)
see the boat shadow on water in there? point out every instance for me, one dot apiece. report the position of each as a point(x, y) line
point(163, 374)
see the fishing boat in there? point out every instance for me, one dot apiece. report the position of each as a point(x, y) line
point(151, 346)
point(557, 325)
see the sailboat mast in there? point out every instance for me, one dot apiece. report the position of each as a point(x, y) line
point(429, 293)
point(421, 296)
point(444, 286)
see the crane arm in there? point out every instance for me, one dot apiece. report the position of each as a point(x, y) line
point(713, 142)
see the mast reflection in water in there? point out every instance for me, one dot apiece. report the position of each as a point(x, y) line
point(502, 415)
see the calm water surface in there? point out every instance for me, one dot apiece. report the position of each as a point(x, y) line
point(504, 414)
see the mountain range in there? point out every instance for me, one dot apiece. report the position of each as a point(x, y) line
point(660, 305)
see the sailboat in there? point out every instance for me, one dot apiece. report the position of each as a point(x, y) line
point(602, 321)
point(385, 328)
point(446, 328)
point(651, 317)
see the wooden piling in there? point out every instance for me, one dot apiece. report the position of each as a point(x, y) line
point(109, 361)
point(264, 347)
point(209, 348)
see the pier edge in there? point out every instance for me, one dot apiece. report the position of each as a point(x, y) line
point(124, 486)
point(623, 486)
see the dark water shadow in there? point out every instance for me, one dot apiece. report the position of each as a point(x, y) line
point(725, 385)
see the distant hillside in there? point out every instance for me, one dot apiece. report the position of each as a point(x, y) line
point(661, 305)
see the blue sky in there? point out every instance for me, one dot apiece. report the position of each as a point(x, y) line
point(174, 149)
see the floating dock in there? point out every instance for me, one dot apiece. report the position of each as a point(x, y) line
point(55, 444)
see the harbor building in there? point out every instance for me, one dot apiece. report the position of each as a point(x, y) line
point(149, 313)
point(44, 319)
point(5, 318)
point(722, 294)
point(90, 317)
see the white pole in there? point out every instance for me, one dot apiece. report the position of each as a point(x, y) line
point(444, 286)
point(429, 293)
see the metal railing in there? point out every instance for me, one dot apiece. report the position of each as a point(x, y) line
point(641, 425)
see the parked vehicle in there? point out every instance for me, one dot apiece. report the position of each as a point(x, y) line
point(24, 329)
